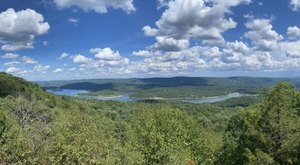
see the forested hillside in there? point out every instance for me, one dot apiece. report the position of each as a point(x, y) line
point(39, 128)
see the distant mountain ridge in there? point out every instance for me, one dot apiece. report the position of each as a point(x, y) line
point(172, 87)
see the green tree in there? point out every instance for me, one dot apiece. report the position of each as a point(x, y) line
point(165, 136)
point(16, 146)
point(267, 133)
point(2, 123)
point(80, 138)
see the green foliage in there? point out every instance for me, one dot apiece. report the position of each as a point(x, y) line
point(267, 133)
point(240, 136)
point(166, 136)
point(16, 147)
point(243, 101)
point(280, 121)
point(2, 123)
point(209, 116)
point(28, 111)
point(13, 86)
point(81, 138)
point(39, 128)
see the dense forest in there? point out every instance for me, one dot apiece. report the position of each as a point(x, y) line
point(40, 128)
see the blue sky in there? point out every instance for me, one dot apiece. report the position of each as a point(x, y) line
point(78, 39)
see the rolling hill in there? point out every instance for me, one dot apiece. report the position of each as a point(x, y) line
point(175, 87)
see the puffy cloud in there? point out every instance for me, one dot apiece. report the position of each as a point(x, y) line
point(211, 52)
point(267, 50)
point(18, 29)
point(185, 19)
point(12, 70)
point(10, 56)
point(41, 68)
point(106, 62)
point(293, 32)
point(262, 35)
point(238, 46)
point(142, 53)
point(105, 57)
point(162, 3)
point(206, 22)
point(63, 55)
point(72, 69)
point(295, 4)
point(106, 54)
point(170, 44)
point(168, 62)
point(291, 49)
point(12, 63)
point(58, 70)
point(81, 59)
point(222, 3)
point(28, 60)
point(19, 66)
point(99, 6)
point(16, 46)
point(238, 55)
point(148, 31)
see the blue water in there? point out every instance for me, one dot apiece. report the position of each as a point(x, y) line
point(214, 99)
point(67, 92)
point(76, 93)
point(126, 98)
point(122, 98)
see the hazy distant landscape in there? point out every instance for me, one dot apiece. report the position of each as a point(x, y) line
point(169, 88)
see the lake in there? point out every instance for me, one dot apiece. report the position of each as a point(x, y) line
point(126, 98)
point(76, 93)
point(67, 92)
point(214, 99)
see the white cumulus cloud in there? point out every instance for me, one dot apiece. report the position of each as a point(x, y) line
point(28, 60)
point(170, 44)
point(10, 56)
point(41, 68)
point(18, 29)
point(58, 70)
point(99, 6)
point(81, 59)
point(106, 54)
point(262, 35)
point(63, 55)
point(12, 70)
point(186, 19)
point(293, 32)
point(295, 4)
point(12, 63)
point(292, 49)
